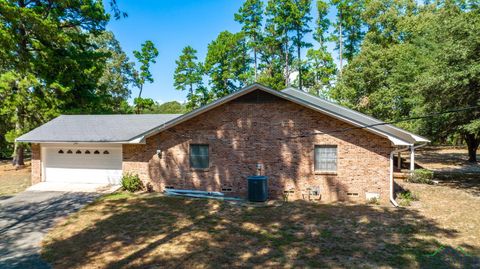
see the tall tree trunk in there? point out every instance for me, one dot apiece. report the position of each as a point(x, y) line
point(255, 56)
point(472, 143)
point(138, 109)
point(141, 89)
point(18, 159)
point(299, 55)
point(340, 40)
point(287, 71)
point(18, 156)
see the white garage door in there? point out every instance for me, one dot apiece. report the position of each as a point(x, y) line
point(83, 164)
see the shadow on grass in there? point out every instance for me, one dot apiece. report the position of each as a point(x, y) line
point(167, 232)
point(467, 181)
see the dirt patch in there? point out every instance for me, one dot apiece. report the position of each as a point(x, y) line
point(13, 180)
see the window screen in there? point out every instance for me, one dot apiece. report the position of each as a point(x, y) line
point(198, 156)
point(326, 158)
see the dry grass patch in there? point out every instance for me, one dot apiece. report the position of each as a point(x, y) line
point(12, 180)
point(153, 231)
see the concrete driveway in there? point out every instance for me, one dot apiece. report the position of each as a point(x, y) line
point(27, 217)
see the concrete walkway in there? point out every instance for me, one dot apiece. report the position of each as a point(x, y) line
point(27, 217)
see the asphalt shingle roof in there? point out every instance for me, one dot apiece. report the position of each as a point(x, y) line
point(134, 128)
point(355, 116)
point(95, 128)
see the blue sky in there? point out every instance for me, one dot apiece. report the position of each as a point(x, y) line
point(172, 25)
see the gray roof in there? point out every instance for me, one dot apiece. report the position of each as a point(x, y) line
point(95, 128)
point(396, 135)
point(360, 119)
point(136, 128)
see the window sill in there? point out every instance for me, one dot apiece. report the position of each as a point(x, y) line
point(199, 169)
point(325, 173)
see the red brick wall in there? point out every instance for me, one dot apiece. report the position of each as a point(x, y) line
point(36, 164)
point(262, 128)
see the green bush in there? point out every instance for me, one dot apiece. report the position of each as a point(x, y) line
point(131, 182)
point(406, 198)
point(373, 201)
point(422, 176)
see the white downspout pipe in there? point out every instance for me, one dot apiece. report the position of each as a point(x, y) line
point(412, 156)
point(392, 199)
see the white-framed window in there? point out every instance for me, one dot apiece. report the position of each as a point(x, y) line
point(199, 158)
point(325, 158)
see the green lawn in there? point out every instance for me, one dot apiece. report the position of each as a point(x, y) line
point(152, 231)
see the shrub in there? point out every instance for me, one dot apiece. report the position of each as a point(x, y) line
point(373, 201)
point(131, 183)
point(406, 198)
point(422, 176)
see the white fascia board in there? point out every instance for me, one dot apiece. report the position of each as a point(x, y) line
point(71, 142)
point(419, 138)
point(138, 140)
point(398, 142)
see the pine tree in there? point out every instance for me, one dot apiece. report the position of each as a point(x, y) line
point(45, 53)
point(227, 63)
point(320, 71)
point(250, 15)
point(348, 34)
point(301, 19)
point(146, 56)
point(188, 75)
point(280, 25)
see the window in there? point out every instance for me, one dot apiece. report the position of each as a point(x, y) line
point(87, 151)
point(199, 156)
point(96, 152)
point(60, 152)
point(106, 152)
point(78, 152)
point(69, 152)
point(326, 158)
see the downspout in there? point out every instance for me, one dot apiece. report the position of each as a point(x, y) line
point(392, 199)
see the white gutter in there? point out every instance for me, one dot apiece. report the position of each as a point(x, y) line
point(392, 199)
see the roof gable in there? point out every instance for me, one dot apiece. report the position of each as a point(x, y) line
point(396, 135)
point(136, 128)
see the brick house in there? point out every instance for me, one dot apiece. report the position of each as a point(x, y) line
point(308, 147)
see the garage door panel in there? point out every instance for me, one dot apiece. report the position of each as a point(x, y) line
point(82, 165)
point(89, 176)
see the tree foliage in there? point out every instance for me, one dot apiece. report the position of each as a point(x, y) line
point(250, 16)
point(146, 56)
point(418, 60)
point(227, 63)
point(172, 107)
point(320, 68)
point(188, 77)
point(48, 61)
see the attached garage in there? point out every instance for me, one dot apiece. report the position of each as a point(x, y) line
point(86, 149)
point(87, 163)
